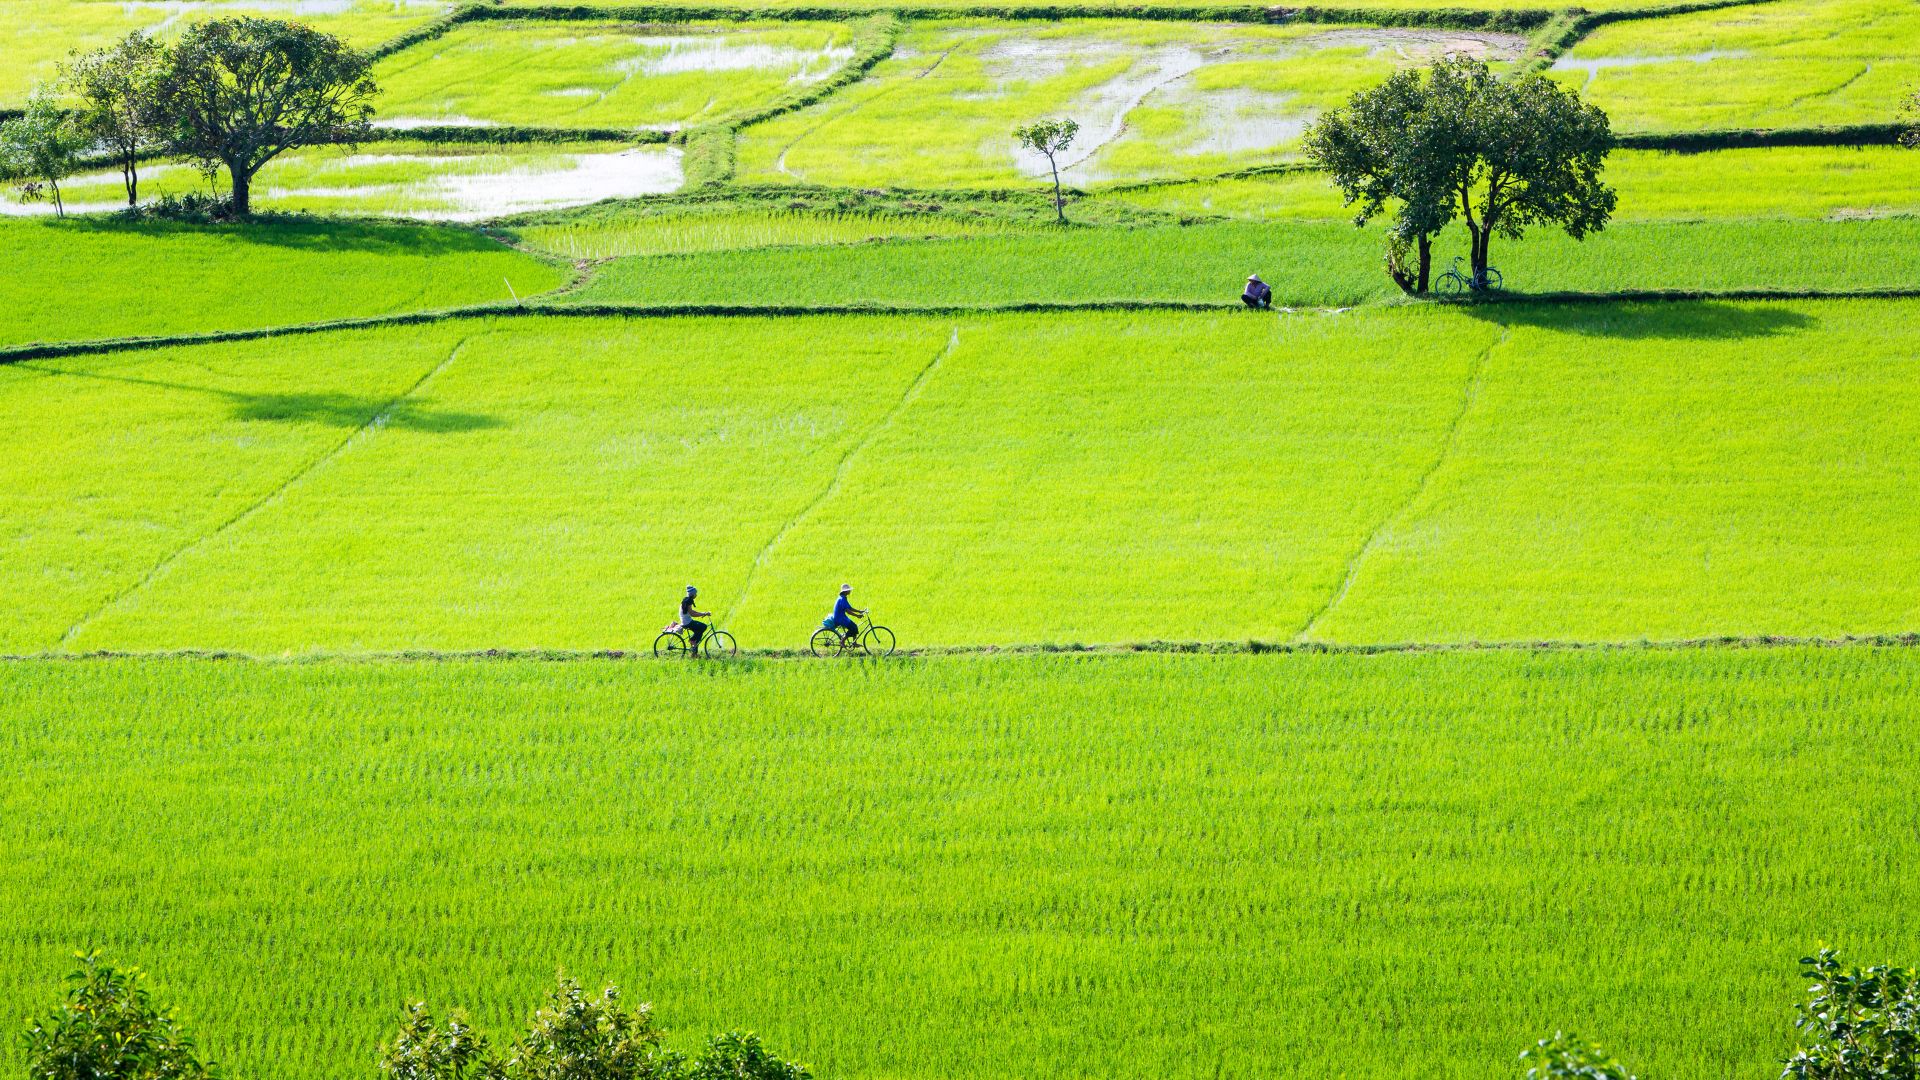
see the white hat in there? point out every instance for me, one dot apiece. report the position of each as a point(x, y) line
point(846, 588)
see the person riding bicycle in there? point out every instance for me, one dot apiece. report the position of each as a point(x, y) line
point(690, 618)
point(1259, 294)
point(843, 613)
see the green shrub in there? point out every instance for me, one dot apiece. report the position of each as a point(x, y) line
point(1857, 1025)
point(109, 1028)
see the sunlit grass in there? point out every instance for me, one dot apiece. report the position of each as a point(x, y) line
point(1143, 867)
point(1308, 263)
point(90, 279)
point(1791, 63)
point(605, 75)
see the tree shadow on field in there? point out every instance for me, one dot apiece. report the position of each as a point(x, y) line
point(351, 411)
point(1671, 320)
point(331, 409)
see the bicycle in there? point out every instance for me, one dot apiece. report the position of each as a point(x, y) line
point(1455, 283)
point(674, 642)
point(872, 640)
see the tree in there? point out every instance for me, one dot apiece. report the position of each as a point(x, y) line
point(240, 92)
point(109, 1029)
point(739, 1056)
point(575, 1036)
point(1456, 142)
point(40, 148)
point(1050, 138)
point(425, 1050)
point(1568, 1057)
point(117, 87)
point(1534, 155)
point(1857, 1025)
point(1388, 147)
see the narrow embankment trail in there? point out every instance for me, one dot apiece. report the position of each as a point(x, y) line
point(847, 459)
point(1728, 643)
point(373, 424)
point(1469, 392)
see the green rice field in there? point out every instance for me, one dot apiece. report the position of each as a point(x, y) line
point(605, 75)
point(544, 483)
point(1153, 99)
point(1308, 263)
point(1037, 866)
point(88, 279)
point(37, 35)
point(1788, 63)
point(1367, 688)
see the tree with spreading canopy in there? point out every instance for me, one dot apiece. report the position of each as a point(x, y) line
point(1050, 139)
point(110, 1028)
point(240, 92)
point(1455, 142)
point(119, 110)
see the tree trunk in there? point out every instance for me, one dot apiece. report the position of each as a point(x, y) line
point(59, 207)
point(1426, 263)
point(242, 186)
point(1059, 204)
point(130, 173)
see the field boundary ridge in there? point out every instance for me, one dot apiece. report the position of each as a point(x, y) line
point(15, 354)
point(1728, 642)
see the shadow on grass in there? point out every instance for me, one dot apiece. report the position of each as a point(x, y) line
point(333, 410)
point(303, 234)
point(1701, 320)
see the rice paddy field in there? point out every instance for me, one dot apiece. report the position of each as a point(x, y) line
point(1142, 866)
point(1367, 688)
point(605, 75)
point(1788, 63)
point(1153, 99)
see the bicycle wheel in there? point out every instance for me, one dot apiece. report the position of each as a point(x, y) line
point(1451, 285)
point(673, 645)
point(1493, 279)
point(720, 643)
point(878, 641)
point(825, 642)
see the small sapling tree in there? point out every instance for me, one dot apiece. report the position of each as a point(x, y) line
point(118, 87)
point(39, 148)
point(739, 1056)
point(581, 1036)
point(1050, 138)
point(109, 1028)
point(240, 92)
point(427, 1050)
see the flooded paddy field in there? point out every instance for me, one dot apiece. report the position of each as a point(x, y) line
point(1152, 99)
point(605, 74)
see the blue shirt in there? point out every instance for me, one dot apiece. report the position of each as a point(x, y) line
point(841, 607)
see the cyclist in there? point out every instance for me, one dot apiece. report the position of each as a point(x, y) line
point(690, 618)
point(843, 613)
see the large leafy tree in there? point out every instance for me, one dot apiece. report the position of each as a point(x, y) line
point(1454, 142)
point(1387, 148)
point(118, 89)
point(1533, 154)
point(109, 1028)
point(241, 92)
point(39, 148)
